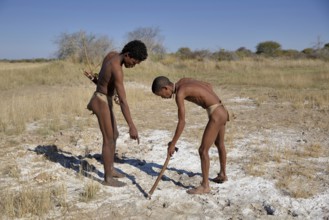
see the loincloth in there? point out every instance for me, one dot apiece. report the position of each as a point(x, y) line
point(212, 108)
point(101, 96)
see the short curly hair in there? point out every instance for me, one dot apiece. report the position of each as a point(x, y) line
point(136, 50)
point(160, 82)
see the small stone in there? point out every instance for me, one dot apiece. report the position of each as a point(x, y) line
point(269, 209)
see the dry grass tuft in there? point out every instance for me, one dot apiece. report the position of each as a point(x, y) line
point(90, 190)
point(12, 171)
point(28, 201)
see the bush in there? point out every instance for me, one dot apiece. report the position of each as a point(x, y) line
point(269, 48)
point(224, 55)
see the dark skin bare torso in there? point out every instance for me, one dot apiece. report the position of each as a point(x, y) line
point(105, 83)
point(200, 93)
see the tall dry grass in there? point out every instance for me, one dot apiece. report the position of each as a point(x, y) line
point(51, 94)
point(57, 90)
point(301, 82)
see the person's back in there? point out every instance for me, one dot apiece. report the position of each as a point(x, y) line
point(198, 92)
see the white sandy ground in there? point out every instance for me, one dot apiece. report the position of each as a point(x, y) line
point(242, 197)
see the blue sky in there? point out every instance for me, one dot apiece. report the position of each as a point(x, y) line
point(30, 27)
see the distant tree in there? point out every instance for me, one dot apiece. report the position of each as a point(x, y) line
point(223, 55)
point(243, 52)
point(187, 53)
point(326, 46)
point(318, 44)
point(151, 37)
point(82, 47)
point(290, 53)
point(184, 53)
point(323, 53)
point(308, 51)
point(270, 48)
point(201, 54)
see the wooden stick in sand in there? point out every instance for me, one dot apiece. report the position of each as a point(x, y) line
point(164, 167)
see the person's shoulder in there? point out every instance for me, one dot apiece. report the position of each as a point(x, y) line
point(113, 52)
point(111, 55)
point(184, 81)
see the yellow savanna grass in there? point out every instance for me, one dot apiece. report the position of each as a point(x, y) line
point(31, 201)
point(90, 190)
point(31, 92)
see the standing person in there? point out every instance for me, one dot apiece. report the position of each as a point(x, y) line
point(110, 79)
point(202, 94)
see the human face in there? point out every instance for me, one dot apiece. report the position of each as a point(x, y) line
point(164, 92)
point(130, 62)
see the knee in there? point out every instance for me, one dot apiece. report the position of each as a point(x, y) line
point(107, 142)
point(203, 152)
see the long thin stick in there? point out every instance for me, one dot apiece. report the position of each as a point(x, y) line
point(164, 167)
point(159, 177)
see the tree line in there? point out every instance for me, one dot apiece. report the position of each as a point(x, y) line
point(89, 48)
point(263, 49)
point(83, 47)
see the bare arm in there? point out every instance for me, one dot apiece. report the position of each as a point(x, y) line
point(118, 75)
point(181, 122)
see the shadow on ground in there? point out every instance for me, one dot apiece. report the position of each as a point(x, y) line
point(80, 165)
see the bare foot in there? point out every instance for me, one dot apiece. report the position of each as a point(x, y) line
point(199, 190)
point(116, 174)
point(113, 182)
point(220, 179)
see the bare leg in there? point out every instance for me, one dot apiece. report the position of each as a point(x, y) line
point(208, 139)
point(103, 113)
point(222, 156)
point(115, 173)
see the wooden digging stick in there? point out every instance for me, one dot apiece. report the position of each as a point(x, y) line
point(164, 167)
